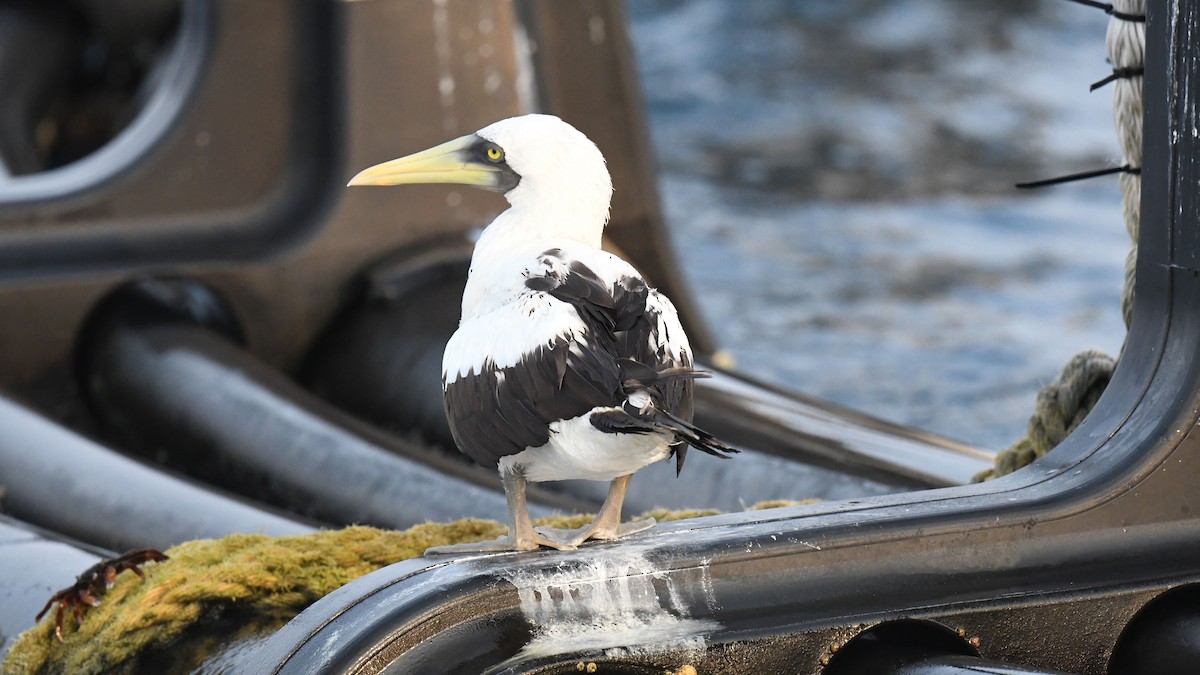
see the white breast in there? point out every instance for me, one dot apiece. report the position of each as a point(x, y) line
point(577, 450)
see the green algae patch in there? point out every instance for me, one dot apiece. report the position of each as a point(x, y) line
point(208, 581)
point(211, 591)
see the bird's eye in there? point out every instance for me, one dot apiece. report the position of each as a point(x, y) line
point(494, 153)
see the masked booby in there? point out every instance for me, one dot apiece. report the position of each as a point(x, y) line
point(565, 365)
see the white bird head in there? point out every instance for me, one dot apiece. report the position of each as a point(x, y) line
point(553, 176)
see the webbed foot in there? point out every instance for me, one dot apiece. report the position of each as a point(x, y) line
point(571, 539)
point(505, 543)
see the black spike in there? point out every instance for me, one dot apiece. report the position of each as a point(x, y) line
point(1117, 74)
point(1135, 170)
point(1109, 10)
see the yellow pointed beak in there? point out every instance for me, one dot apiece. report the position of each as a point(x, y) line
point(451, 162)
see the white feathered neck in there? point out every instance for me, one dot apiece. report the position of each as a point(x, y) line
point(563, 196)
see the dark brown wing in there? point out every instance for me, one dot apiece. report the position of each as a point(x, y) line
point(502, 411)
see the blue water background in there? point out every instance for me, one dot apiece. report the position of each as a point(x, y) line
point(837, 177)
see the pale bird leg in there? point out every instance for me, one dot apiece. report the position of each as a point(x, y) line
point(607, 523)
point(521, 535)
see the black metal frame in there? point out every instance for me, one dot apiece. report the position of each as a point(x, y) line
point(1044, 567)
point(182, 71)
point(303, 191)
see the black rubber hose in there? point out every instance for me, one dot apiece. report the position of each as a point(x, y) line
point(1164, 637)
point(381, 359)
point(63, 482)
point(165, 381)
point(916, 648)
point(965, 665)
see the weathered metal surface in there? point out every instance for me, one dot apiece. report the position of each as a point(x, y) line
point(1043, 569)
point(234, 177)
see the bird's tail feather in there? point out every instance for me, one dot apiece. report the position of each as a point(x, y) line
point(637, 376)
point(693, 435)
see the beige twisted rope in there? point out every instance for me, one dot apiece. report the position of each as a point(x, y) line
point(1062, 404)
point(1126, 42)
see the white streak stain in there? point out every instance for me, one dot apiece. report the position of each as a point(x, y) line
point(608, 605)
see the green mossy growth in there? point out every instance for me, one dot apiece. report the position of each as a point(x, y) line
point(218, 590)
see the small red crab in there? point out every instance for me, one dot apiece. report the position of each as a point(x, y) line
point(93, 582)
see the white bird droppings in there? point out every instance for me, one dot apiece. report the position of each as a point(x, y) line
point(610, 605)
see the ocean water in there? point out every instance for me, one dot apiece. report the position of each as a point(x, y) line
point(838, 181)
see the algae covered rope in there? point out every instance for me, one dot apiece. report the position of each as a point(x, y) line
point(213, 593)
point(211, 586)
point(1063, 404)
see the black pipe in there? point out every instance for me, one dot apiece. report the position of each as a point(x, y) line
point(54, 478)
point(915, 647)
point(961, 665)
point(166, 382)
point(893, 659)
point(800, 428)
point(1164, 637)
point(381, 359)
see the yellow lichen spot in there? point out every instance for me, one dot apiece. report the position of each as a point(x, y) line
point(687, 669)
point(579, 666)
point(975, 641)
point(591, 667)
point(833, 648)
point(824, 660)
